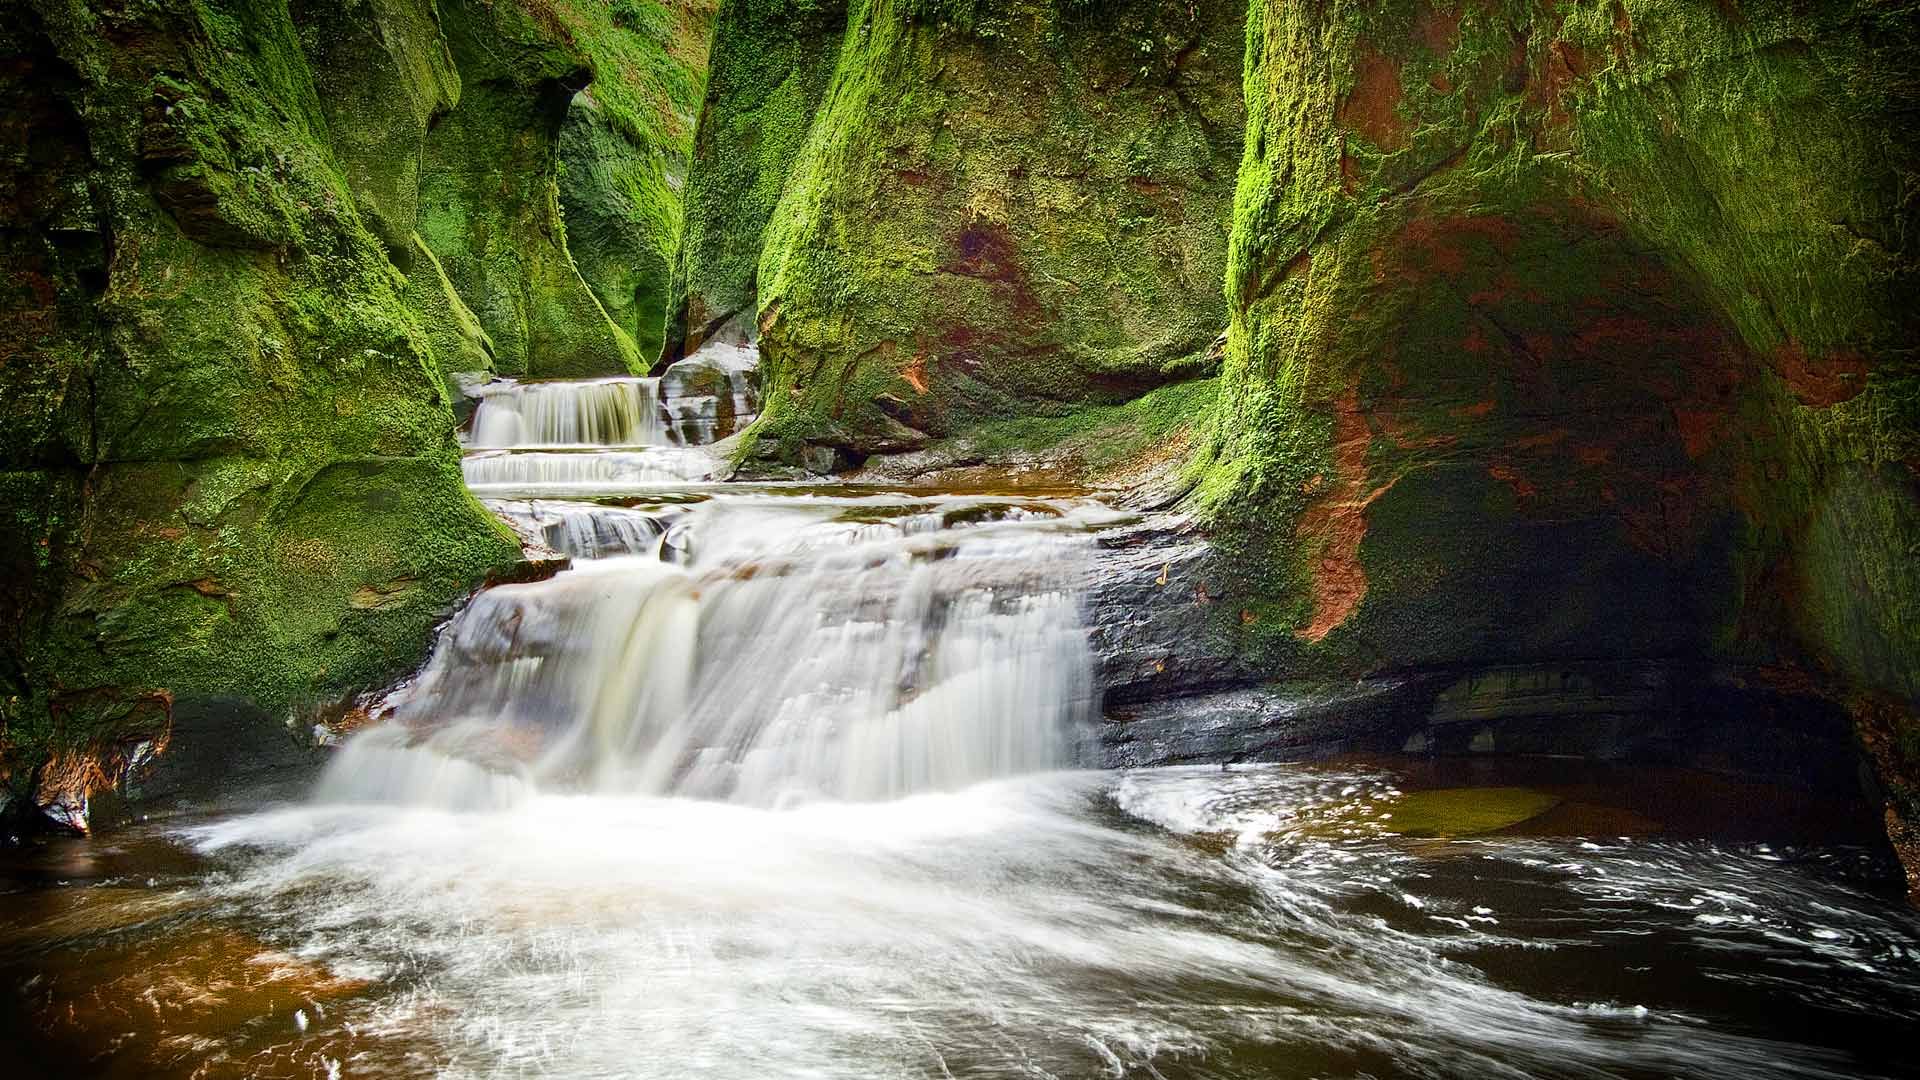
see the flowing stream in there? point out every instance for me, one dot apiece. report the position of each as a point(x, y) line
point(791, 781)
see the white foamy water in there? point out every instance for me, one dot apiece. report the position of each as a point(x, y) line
point(761, 647)
point(585, 530)
point(1023, 927)
point(776, 783)
point(538, 472)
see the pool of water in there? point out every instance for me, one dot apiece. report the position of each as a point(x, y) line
point(1384, 918)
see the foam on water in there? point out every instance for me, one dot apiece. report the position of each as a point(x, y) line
point(1022, 927)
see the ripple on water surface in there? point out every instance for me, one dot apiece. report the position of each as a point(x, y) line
point(1259, 921)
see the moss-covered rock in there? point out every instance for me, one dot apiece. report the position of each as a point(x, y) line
point(227, 466)
point(770, 64)
point(623, 153)
point(1575, 331)
point(1017, 209)
point(573, 116)
point(383, 75)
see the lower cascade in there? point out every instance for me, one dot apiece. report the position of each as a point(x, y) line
point(761, 647)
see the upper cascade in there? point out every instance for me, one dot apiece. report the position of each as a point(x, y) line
point(754, 645)
point(702, 399)
point(602, 412)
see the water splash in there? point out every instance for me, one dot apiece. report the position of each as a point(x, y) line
point(1044, 925)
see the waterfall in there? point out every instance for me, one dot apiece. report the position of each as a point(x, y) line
point(754, 645)
point(609, 471)
point(787, 654)
point(585, 531)
point(600, 412)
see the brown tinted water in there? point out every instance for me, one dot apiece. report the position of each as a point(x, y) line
point(1257, 921)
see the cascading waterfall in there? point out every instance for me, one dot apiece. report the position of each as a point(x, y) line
point(768, 783)
point(583, 473)
point(599, 413)
point(755, 646)
point(605, 436)
point(583, 530)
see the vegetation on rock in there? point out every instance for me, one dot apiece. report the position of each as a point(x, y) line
point(971, 215)
point(1576, 332)
point(245, 243)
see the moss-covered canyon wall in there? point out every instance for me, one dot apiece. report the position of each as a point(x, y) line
point(1576, 332)
point(245, 244)
point(944, 215)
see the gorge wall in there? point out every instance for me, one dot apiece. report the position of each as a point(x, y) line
point(247, 245)
point(946, 215)
point(1578, 335)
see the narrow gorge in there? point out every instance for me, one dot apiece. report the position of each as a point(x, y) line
point(856, 538)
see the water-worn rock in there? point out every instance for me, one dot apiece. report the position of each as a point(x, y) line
point(1150, 614)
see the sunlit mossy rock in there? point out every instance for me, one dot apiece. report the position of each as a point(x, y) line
point(502, 189)
point(943, 214)
point(1577, 331)
point(244, 245)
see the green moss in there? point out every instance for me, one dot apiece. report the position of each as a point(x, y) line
point(770, 66)
point(382, 74)
point(1466, 811)
point(489, 202)
point(256, 436)
point(247, 243)
point(620, 246)
point(1016, 220)
point(1103, 437)
point(459, 343)
point(1609, 293)
point(625, 148)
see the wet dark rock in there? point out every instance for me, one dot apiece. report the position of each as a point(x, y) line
point(532, 568)
point(222, 750)
point(1154, 632)
point(1265, 723)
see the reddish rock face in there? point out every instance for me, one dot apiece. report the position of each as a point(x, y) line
point(1532, 381)
point(1543, 352)
point(1013, 219)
